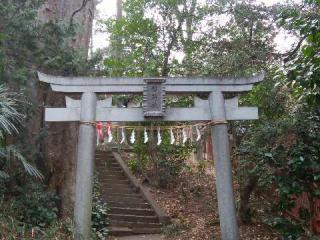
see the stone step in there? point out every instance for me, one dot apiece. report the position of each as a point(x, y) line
point(122, 190)
point(121, 204)
point(114, 179)
point(123, 197)
point(103, 153)
point(108, 169)
point(106, 164)
point(105, 171)
point(146, 230)
point(111, 171)
point(132, 211)
point(129, 212)
point(133, 194)
point(120, 231)
point(133, 218)
point(104, 157)
point(134, 224)
point(109, 188)
point(125, 231)
point(108, 159)
point(115, 182)
point(122, 201)
point(112, 175)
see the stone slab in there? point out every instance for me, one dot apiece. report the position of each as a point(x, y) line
point(142, 237)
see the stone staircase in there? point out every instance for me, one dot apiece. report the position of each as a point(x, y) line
point(131, 208)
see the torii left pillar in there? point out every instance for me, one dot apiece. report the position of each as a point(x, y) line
point(85, 166)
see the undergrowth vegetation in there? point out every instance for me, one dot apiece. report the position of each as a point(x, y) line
point(29, 211)
point(278, 156)
point(161, 165)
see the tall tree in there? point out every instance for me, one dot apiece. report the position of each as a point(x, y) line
point(61, 141)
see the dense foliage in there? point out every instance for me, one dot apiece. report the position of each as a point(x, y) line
point(29, 209)
point(302, 64)
point(162, 164)
point(278, 155)
point(99, 218)
point(282, 148)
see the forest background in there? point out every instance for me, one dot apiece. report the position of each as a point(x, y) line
point(277, 157)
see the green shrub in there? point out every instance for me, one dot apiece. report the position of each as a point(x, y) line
point(99, 213)
point(175, 228)
point(35, 206)
point(162, 163)
point(284, 156)
point(133, 164)
point(288, 229)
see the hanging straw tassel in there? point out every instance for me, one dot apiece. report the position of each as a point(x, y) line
point(133, 137)
point(198, 134)
point(123, 136)
point(159, 137)
point(184, 136)
point(146, 139)
point(172, 141)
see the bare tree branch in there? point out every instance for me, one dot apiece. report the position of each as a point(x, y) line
point(84, 4)
point(291, 54)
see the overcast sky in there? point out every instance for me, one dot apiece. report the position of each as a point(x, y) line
point(107, 8)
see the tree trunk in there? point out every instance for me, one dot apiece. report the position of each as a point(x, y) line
point(119, 9)
point(60, 145)
point(245, 194)
point(80, 12)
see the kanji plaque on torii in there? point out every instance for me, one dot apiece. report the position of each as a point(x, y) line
point(216, 108)
point(154, 98)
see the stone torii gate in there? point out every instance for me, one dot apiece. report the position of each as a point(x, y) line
point(216, 108)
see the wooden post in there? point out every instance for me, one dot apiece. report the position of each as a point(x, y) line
point(85, 166)
point(221, 154)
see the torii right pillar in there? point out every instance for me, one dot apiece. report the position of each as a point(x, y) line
point(221, 153)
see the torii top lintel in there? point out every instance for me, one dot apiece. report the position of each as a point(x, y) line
point(135, 85)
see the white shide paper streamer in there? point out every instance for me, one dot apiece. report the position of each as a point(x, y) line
point(123, 137)
point(184, 136)
point(133, 136)
point(172, 141)
point(110, 137)
point(159, 137)
point(146, 139)
point(198, 134)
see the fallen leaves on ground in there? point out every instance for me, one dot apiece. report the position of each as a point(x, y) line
point(192, 205)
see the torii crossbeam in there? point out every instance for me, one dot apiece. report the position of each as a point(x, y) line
point(216, 108)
